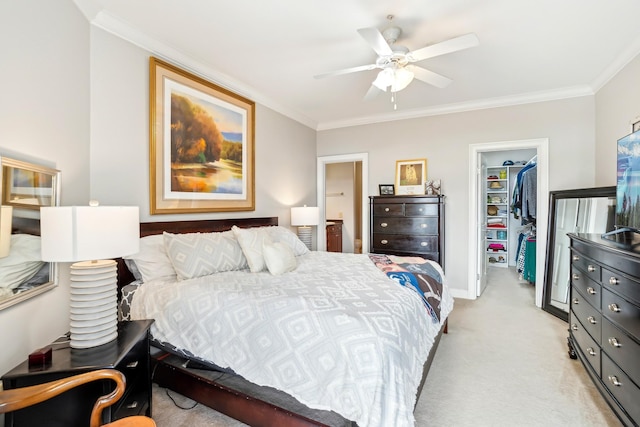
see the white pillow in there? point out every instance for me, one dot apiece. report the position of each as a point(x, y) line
point(202, 254)
point(288, 237)
point(22, 263)
point(278, 257)
point(251, 241)
point(152, 260)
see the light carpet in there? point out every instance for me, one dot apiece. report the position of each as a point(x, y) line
point(504, 362)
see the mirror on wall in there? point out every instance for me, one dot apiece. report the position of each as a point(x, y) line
point(24, 188)
point(588, 210)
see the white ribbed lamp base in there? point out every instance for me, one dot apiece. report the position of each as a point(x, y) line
point(94, 303)
point(304, 234)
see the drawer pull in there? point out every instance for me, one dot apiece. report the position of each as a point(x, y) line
point(614, 380)
point(423, 225)
point(132, 405)
point(591, 268)
point(386, 209)
point(591, 291)
point(575, 258)
point(614, 342)
point(613, 280)
point(592, 320)
point(132, 364)
point(384, 242)
point(574, 327)
point(576, 301)
point(424, 244)
point(383, 224)
point(575, 276)
point(591, 351)
point(614, 307)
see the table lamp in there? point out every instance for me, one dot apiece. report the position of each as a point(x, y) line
point(91, 235)
point(305, 217)
point(6, 213)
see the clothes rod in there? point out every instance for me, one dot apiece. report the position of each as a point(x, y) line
point(334, 194)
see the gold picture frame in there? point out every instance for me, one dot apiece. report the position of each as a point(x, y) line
point(201, 150)
point(411, 176)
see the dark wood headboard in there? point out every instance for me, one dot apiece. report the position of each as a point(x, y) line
point(180, 227)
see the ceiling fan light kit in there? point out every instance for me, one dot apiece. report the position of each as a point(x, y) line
point(396, 62)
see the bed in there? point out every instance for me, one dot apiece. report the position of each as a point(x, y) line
point(329, 341)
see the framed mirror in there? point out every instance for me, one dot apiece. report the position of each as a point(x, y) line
point(24, 188)
point(588, 210)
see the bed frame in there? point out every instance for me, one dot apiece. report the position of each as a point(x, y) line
point(210, 388)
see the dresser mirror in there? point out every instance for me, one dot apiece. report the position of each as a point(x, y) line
point(24, 188)
point(588, 210)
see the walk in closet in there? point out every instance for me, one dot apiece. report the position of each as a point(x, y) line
point(510, 186)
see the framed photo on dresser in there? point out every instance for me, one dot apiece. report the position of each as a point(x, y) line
point(411, 176)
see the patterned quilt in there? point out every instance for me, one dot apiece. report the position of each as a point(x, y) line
point(335, 333)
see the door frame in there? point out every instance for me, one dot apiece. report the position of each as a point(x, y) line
point(322, 161)
point(542, 149)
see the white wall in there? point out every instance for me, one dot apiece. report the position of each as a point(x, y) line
point(617, 106)
point(444, 141)
point(44, 118)
point(284, 149)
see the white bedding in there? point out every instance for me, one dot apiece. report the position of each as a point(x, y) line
point(335, 333)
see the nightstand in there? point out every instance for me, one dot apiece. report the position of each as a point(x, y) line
point(129, 353)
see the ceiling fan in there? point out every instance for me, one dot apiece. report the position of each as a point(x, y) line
point(396, 62)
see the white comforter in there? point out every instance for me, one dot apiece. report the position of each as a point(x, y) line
point(336, 333)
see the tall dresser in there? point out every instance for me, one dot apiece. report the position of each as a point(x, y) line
point(604, 321)
point(408, 225)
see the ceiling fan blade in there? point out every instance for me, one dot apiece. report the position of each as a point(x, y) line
point(376, 41)
point(447, 46)
point(346, 71)
point(372, 93)
point(429, 77)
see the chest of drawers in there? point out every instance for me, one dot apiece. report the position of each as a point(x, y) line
point(408, 225)
point(604, 320)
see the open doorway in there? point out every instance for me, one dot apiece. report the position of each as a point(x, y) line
point(478, 206)
point(342, 198)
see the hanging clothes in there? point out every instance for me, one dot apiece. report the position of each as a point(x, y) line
point(524, 196)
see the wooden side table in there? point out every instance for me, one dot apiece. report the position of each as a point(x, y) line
point(129, 353)
point(334, 235)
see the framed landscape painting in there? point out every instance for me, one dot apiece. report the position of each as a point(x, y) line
point(201, 144)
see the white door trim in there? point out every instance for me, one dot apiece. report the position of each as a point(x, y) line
point(321, 237)
point(542, 147)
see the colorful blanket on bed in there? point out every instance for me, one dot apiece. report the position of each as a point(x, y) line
point(415, 273)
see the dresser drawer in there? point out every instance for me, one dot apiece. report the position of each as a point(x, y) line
point(621, 349)
point(587, 288)
point(388, 209)
point(421, 209)
point(590, 318)
point(623, 389)
point(621, 312)
point(588, 345)
point(586, 265)
point(621, 284)
point(415, 226)
point(398, 242)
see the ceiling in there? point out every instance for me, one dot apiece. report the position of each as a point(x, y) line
point(270, 50)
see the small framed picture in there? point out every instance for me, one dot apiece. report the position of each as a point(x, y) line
point(387, 190)
point(411, 176)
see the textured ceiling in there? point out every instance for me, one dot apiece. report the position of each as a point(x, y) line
point(270, 50)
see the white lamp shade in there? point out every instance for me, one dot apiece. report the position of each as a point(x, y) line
point(305, 216)
point(83, 233)
point(6, 213)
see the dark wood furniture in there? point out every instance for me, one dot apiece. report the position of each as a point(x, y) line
point(334, 235)
point(129, 354)
point(23, 397)
point(208, 387)
point(604, 319)
point(408, 226)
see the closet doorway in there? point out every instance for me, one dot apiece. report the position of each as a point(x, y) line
point(343, 197)
point(486, 155)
